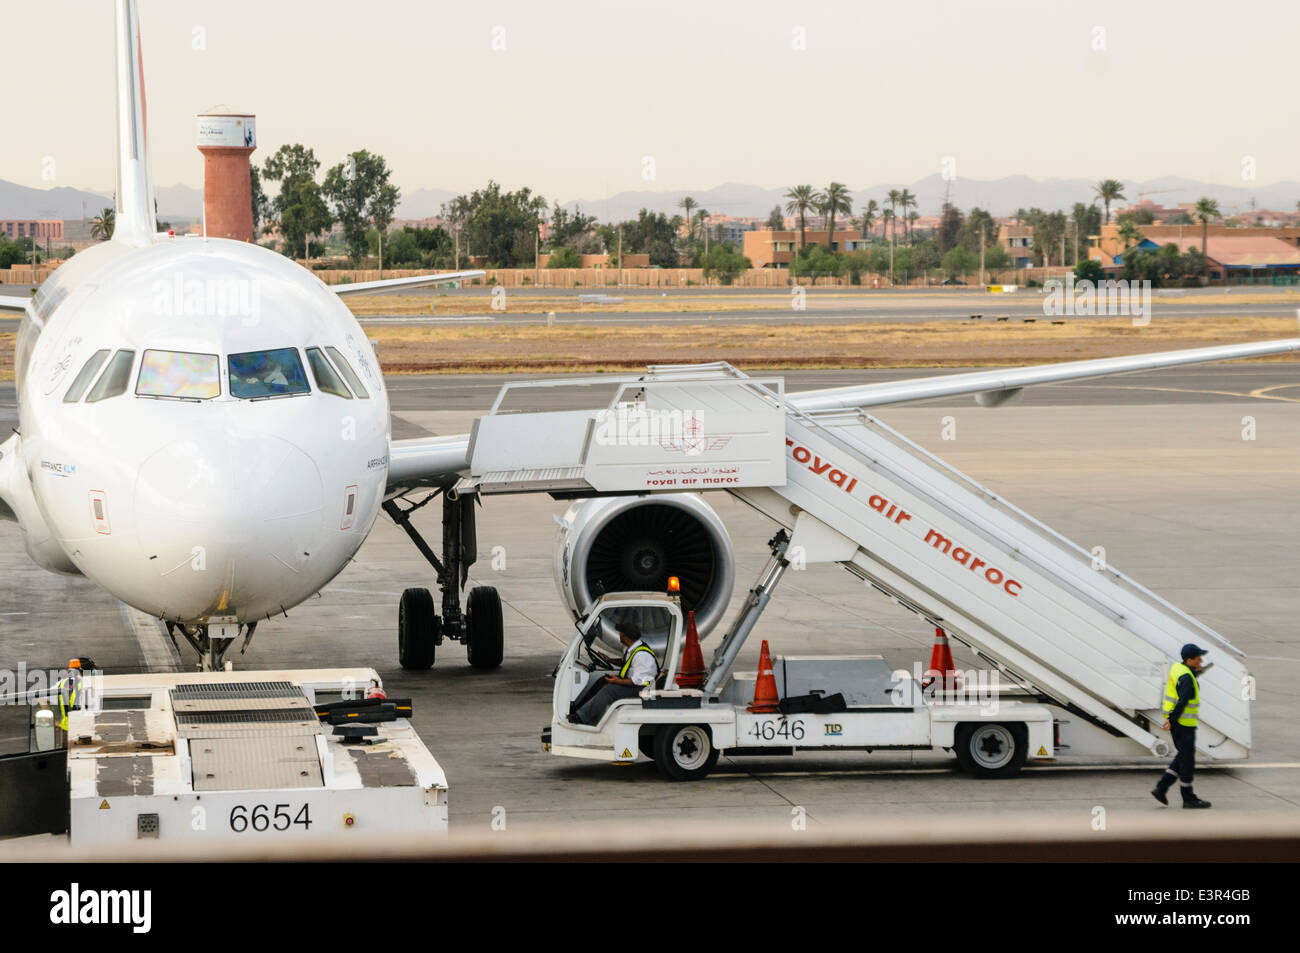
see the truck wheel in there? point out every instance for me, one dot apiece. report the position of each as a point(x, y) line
point(417, 629)
point(991, 749)
point(485, 637)
point(685, 752)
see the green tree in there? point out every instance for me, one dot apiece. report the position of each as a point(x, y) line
point(688, 204)
point(1206, 209)
point(996, 258)
point(814, 261)
point(950, 222)
point(1108, 190)
point(1089, 270)
point(1129, 234)
point(959, 261)
point(101, 226)
point(977, 222)
point(567, 228)
point(500, 226)
point(776, 219)
point(300, 207)
point(835, 200)
point(563, 257)
point(870, 215)
point(261, 205)
point(725, 262)
point(361, 197)
point(801, 199)
point(11, 253)
point(907, 201)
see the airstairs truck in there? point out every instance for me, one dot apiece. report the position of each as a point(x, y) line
point(1080, 650)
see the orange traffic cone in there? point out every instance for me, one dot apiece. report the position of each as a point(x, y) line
point(765, 694)
point(941, 663)
point(692, 670)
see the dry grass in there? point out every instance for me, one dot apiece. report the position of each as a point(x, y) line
point(703, 300)
point(535, 348)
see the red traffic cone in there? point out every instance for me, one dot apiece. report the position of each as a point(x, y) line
point(765, 694)
point(691, 674)
point(941, 663)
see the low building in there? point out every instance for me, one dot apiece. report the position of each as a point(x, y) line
point(42, 229)
point(1236, 259)
point(1018, 242)
point(767, 248)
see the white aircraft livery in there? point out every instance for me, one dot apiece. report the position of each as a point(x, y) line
point(204, 429)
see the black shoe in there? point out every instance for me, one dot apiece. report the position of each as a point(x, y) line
point(1160, 795)
point(1194, 801)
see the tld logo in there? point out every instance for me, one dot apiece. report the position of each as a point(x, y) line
point(833, 729)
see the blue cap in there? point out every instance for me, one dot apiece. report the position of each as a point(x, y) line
point(1191, 650)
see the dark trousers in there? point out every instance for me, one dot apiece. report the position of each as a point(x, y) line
point(1184, 764)
point(591, 711)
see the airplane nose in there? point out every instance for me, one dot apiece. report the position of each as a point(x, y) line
point(226, 519)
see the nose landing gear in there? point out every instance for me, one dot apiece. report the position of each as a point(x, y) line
point(211, 641)
point(420, 630)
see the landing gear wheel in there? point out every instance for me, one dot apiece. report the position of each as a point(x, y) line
point(991, 749)
point(417, 629)
point(685, 752)
point(484, 634)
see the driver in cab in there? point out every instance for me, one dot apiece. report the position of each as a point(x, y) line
point(640, 668)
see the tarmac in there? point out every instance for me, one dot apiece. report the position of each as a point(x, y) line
point(1154, 467)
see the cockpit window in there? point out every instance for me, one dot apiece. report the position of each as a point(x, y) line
point(260, 374)
point(115, 379)
point(85, 376)
point(327, 379)
point(178, 374)
point(346, 370)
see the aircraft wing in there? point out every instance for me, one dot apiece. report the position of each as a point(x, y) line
point(396, 284)
point(15, 304)
point(996, 386)
point(434, 461)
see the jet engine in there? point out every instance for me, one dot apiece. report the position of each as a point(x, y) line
point(620, 544)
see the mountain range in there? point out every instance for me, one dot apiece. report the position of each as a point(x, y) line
point(180, 203)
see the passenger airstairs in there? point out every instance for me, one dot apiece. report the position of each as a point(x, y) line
point(1030, 603)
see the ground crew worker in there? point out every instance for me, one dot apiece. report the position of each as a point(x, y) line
point(67, 690)
point(640, 668)
point(1182, 707)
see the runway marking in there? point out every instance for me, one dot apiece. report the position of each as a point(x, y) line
point(13, 613)
point(157, 650)
point(1258, 394)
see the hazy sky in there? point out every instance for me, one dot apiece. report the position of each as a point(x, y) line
point(713, 91)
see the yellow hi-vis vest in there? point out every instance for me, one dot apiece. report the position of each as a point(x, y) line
point(627, 662)
point(1191, 710)
point(68, 703)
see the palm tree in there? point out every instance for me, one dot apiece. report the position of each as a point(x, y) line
point(871, 211)
point(1205, 210)
point(894, 196)
point(101, 226)
point(801, 199)
point(701, 214)
point(907, 200)
point(835, 200)
point(1108, 190)
point(1129, 234)
point(689, 204)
